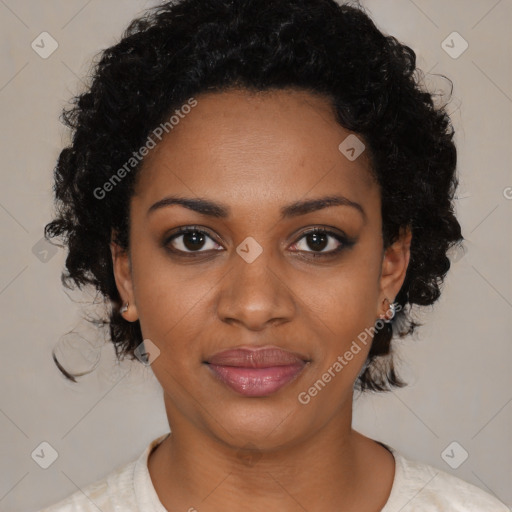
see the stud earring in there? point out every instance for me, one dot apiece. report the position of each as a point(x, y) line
point(387, 316)
point(124, 309)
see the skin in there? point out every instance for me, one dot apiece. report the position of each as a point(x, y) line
point(256, 153)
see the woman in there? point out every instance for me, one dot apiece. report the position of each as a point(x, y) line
point(261, 190)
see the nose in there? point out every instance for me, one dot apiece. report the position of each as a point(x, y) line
point(255, 294)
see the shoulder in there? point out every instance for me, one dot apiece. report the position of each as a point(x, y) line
point(420, 487)
point(106, 494)
point(127, 488)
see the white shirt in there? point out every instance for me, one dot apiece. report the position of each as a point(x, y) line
point(417, 487)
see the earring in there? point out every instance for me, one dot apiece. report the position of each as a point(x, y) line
point(386, 316)
point(124, 309)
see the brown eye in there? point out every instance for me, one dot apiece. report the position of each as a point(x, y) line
point(317, 241)
point(191, 240)
point(322, 242)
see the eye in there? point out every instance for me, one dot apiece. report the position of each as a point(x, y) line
point(190, 239)
point(318, 240)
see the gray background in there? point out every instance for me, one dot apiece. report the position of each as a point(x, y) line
point(458, 365)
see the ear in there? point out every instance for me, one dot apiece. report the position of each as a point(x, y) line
point(394, 267)
point(123, 277)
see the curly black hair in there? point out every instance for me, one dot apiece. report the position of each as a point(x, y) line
point(182, 48)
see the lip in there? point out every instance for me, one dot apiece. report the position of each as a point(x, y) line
point(262, 357)
point(256, 372)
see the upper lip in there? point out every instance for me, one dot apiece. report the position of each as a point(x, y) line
point(263, 357)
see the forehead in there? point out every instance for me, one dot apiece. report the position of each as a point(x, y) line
point(271, 145)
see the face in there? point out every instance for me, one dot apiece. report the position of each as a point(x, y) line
point(249, 271)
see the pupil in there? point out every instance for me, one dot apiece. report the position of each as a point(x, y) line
point(317, 245)
point(192, 238)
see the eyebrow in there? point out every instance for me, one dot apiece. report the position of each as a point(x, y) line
point(219, 210)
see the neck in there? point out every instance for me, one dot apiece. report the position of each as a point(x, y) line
point(325, 471)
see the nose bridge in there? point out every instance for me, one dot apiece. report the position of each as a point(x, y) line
point(254, 292)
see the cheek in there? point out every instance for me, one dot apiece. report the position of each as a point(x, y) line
point(348, 294)
point(343, 328)
point(171, 300)
point(345, 307)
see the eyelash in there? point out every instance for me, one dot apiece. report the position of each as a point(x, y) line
point(344, 241)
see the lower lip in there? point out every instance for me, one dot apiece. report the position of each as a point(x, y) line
point(256, 381)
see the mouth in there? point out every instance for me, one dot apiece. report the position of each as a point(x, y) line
point(256, 372)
